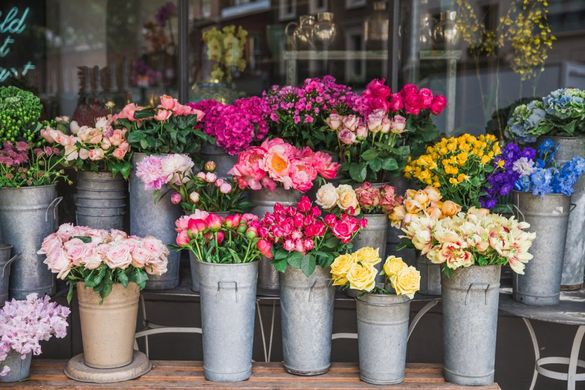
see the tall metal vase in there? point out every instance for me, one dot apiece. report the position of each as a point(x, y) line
point(382, 322)
point(548, 217)
point(430, 276)
point(306, 307)
point(27, 216)
point(228, 309)
point(263, 202)
point(470, 322)
point(223, 161)
point(154, 218)
point(394, 240)
point(574, 252)
point(101, 200)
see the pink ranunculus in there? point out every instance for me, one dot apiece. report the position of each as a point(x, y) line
point(162, 115)
point(426, 96)
point(347, 137)
point(438, 104)
point(167, 102)
point(323, 163)
point(308, 245)
point(120, 152)
point(265, 248)
point(176, 198)
point(96, 154)
point(398, 124)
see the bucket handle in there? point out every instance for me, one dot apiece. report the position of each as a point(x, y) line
point(487, 287)
point(54, 205)
point(517, 209)
point(311, 289)
point(11, 260)
point(232, 282)
point(572, 207)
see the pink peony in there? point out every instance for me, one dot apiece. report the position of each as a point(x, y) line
point(265, 248)
point(323, 163)
point(248, 171)
point(176, 198)
point(302, 174)
point(150, 171)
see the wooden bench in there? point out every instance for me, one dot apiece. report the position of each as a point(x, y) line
point(48, 374)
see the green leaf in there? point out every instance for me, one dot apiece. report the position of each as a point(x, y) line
point(295, 259)
point(370, 154)
point(280, 265)
point(308, 265)
point(331, 243)
point(142, 114)
point(122, 277)
point(84, 239)
point(358, 172)
point(135, 136)
point(389, 164)
point(375, 165)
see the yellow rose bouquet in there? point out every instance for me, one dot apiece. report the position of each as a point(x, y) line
point(358, 271)
point(458, 167)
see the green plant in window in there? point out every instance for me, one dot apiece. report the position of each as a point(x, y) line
point(225, 48)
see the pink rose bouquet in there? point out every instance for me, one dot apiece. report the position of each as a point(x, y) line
point(100, 258)
point(170, 127)
point(276, 162)
point(384, 130)
point(99, 148)
point(297, 114)
point(230, 240)
point(204, 190)
point(303, 237)
point(365, 199)
point(236, 126)
point(24, 324)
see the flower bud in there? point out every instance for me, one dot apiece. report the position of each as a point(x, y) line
point(194, 197)
point(210, 166)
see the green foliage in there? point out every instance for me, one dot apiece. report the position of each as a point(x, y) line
point(20, 111)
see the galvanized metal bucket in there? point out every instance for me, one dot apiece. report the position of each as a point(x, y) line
point(306, 307)
point(27, 216)
point(382, 322)
point(101, 200)
point(470, 323)
point(223, 161)
point(548, 217)
point(5, 261)
point(430, 276)
point(149, 217)
point(574, 256)
point(19, 368)
point(394, 243)
point(228, 310)
point(264, 201)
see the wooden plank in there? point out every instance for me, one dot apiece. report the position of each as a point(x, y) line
point(48, 374)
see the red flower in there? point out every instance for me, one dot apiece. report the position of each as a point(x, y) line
point(438, 104)
point(304, 205)
point(426, 96)
point(396, 102)
point(345, 228)
point(265, 248)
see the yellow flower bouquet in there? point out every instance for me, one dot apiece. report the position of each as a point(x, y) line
point(358, 271)
point(457, 166)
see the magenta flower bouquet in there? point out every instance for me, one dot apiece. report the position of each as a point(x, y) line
point(302, 237)
point(237, 126)
point(297, 114)
point(276, 162)
point(203, 191)
point(375, 142)
point(170, 127)
point(24, 324)
point(100, 258)
point(99, 148)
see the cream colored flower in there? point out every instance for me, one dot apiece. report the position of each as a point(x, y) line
point(340, 267)
point(327, 196)
point(406, 282)
point(393, 266)
point(362, 277)
point(346, 197)
point(368, 255)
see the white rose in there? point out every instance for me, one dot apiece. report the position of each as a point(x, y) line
point(327, 196)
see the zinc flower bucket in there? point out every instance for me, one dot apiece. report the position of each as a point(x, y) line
point(228, 310)
point(263, 202)
point(382, 321)
point(470, 322)
point(548, 217)
point(154, 218)
point(574, 256)
point(19, 367)
point(108, 326)
point(373, 235)
point(101, 200)
point(430, 276)
point(223, 161)
point(5, 263)
point(306, 305)
point(27, 216)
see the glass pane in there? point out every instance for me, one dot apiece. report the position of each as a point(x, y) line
point(489, 56)
point(285, 42)
point(79, 54)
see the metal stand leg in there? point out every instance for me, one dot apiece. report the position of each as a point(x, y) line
point(267, 348)
point(574, 359)
point(536, 351)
